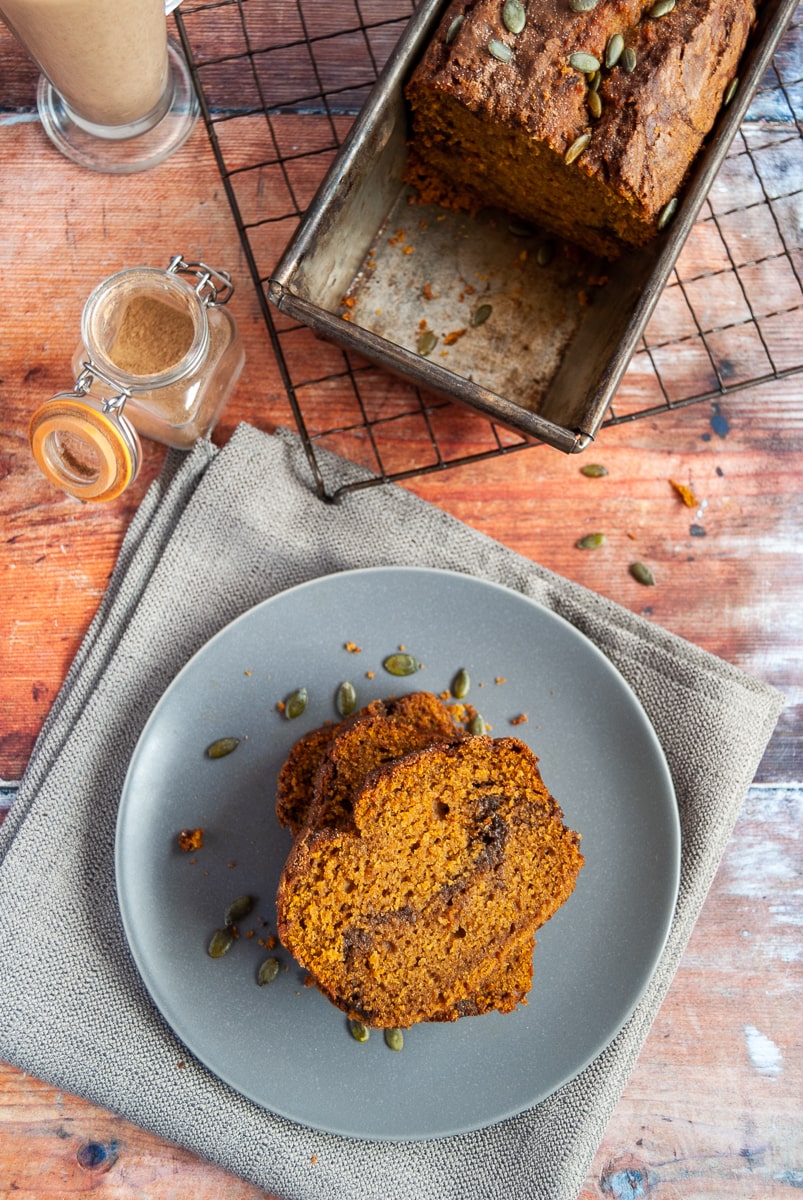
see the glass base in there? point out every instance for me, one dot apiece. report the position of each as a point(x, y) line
point(116, 151)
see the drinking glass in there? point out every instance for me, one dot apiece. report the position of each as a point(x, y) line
point(115, 94)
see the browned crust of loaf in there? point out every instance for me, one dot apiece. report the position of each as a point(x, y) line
point(393, 943)
point(496, 134)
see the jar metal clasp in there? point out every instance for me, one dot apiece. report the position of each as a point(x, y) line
point(214, 288)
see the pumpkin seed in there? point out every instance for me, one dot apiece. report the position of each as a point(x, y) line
point(222, 747)
point(401, 664)
point(500, 51)
point(594, 470)
point(642, 574)
point(427, 343)
point(577, 147)
point(661, 8)
point(586, 63)
point(358, 1031)
point(545, 254)
point(594, 104)
point(477, 726)
point(346, 698)
point(582, 6)
point(591, 541)
point(628, 59)
point(268, 971)
point(295, 703)
point(481, 315)
point(730, 91)
point(394, 1039)
point(238, 909)
point(454, 29)
point(613, 51)
point(221, 942)
point(595, 80)
point(667, 213)
point(461, 684)
point(514, 17)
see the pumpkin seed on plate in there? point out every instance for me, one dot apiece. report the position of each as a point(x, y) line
point(238, 909)
point(222, 747)
point(394, 1039)
point(221, 942)
point(461, 684)
point(477, 726)
point(514, 16)
point(358, 1031)
point(295, 703)
point(268, 971)
point(401, 664)
point(346, 698)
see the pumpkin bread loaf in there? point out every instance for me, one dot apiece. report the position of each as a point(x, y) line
point(525, 122)
point(422, 904)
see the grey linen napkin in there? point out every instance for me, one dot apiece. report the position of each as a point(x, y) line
point(217, 533)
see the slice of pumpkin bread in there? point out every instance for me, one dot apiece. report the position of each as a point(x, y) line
point(423, 903)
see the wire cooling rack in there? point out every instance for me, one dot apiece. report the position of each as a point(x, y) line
point(278, 95)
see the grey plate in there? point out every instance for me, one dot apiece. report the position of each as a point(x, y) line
point(283, 1045)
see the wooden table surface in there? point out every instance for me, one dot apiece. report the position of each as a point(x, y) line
point(714, 1106)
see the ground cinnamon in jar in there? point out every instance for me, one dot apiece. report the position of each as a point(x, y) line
point(152, 338)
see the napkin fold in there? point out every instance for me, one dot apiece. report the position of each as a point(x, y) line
point(218, 532)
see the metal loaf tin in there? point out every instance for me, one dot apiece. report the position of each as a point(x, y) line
point(369, 270)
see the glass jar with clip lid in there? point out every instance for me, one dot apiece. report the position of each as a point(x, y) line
point(158, 358)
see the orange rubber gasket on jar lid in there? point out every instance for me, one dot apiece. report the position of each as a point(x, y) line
point(117, 461)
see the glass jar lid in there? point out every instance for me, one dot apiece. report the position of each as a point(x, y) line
point(85, 446)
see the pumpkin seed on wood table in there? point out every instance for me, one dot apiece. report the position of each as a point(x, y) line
point(642, 574)
point(594, 470)
point(591, 541)
point(514, 16)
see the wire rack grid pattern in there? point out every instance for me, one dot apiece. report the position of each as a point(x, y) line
point(279, 96)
